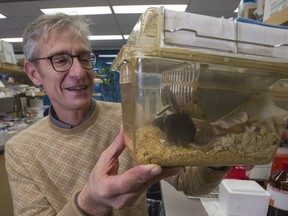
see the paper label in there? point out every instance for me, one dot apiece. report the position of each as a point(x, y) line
point(279, 198)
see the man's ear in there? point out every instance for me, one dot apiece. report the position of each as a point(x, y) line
point(32, 72)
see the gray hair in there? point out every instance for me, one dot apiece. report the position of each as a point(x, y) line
point(46, 25)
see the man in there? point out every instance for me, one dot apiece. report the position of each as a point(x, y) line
point(74, 161)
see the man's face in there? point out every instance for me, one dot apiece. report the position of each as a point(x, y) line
point(71, 90)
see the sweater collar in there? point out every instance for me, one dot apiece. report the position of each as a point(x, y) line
point(55, 121)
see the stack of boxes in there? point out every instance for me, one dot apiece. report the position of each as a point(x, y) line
point(268, 11)
point(276, 12)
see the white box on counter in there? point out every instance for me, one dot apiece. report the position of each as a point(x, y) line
point(243, 198)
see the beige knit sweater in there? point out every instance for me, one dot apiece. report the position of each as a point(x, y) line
point(48, 165)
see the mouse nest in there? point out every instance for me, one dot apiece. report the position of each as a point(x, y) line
point(247, 148)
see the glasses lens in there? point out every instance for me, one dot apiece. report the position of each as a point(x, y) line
point(87, 60)
point(61, 62)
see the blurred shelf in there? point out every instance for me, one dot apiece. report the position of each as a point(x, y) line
point(97, 94)
point(98, 81)
point(10, 69)
point(35, 94)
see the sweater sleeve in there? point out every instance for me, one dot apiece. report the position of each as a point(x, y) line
point(197, 181)
point(70, 209)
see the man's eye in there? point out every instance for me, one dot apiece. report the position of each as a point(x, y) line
point(60, 59)
point(85, 58)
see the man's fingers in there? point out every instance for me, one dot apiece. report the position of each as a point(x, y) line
point(142, 176)
point(170, 171)
point(108, 162)
point(116, 147)
point(136, 178)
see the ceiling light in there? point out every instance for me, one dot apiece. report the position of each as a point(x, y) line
point(107, 56)
point(128, 9)
point(105, 37)
point(79, 10)
point(2, 16)
point(12, 40)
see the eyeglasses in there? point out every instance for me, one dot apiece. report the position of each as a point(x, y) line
point(62, 62)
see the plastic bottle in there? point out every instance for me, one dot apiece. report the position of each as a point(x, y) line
point(277, 186)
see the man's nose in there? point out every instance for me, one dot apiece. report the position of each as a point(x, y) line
point(76, 69)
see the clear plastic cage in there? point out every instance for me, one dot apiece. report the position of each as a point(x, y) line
point(192, 95)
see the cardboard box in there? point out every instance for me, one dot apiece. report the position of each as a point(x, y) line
point(280, 18)
point(243, 198)
point(276, 12)
point(248, 13)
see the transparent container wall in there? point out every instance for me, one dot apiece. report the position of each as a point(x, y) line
point(279, 91)
point(200, 114)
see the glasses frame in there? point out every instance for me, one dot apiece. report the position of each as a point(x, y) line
point(93, 63)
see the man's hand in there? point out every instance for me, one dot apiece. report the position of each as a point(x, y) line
point(106, 189)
